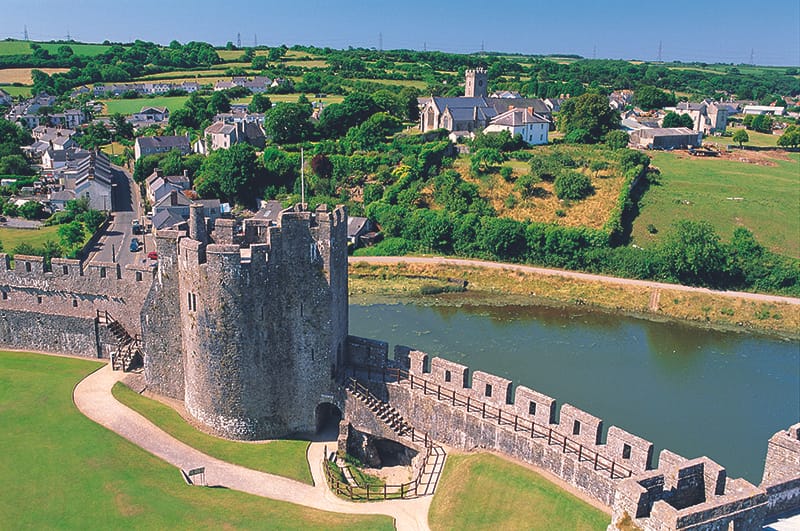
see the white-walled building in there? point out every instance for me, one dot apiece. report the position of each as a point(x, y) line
point(532, 127)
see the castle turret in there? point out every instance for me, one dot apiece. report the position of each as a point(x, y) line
point(262, 323)
point(476, 83)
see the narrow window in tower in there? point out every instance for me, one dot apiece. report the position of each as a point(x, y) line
point(301, 309)
point(194, 302)
point(66, 270)
point(189, 300)
point(626, 451)
point(447, 376)
point(576, 427)
point(532, 408)
point(488, 390)
point(5, 295)
point(102, 272)
point(312, 354)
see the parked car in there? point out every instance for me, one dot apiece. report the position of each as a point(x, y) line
point(136, 227)
point(134, 245)
point(152, 255)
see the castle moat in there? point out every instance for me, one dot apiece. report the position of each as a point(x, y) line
point(695, 391)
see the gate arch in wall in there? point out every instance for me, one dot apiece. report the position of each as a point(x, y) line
point(327, 417)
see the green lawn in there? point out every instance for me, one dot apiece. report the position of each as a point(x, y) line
point(63, 471)
point(17, 91)
point(483, 491)
point(125, 107)
point(756, 139)
point(15, 48)
point(709, 189)
point(284, 458)
point(10, 238)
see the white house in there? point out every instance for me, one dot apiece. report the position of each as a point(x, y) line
point(532, 127)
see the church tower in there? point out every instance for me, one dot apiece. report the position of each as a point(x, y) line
point(476, 83)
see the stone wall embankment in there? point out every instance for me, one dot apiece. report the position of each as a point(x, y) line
point(77, 336)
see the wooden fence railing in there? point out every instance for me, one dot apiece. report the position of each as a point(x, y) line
point(503, 418)
point(368, 492)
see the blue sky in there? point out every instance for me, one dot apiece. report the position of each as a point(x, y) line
point(687, 30)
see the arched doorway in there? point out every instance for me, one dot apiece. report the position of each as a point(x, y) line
point(327, 418)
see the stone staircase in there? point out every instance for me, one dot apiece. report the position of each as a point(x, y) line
point(435, 455)
point(128, 354)
point(383, 411)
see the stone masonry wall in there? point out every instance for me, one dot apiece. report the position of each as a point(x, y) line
point(61, 334)
point(782, 471)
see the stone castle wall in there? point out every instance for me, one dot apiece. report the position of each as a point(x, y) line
point(680, 494)
point(262, 321)
point(54, 308)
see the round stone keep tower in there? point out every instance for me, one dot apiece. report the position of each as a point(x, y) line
point(263, 320)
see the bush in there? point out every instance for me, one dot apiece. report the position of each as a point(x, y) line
point(388, 247)
point(617, 139)
point(505, 173)
point(572, 185)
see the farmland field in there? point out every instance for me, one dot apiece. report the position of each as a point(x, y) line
point(762, 195)
point(121, 106)
point(756, 139)
point(17, 90)
point(71, 473)
point(23, 48)
point(23, 75)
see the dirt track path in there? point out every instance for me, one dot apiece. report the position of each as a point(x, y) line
point(390, 260)
point(93, 398)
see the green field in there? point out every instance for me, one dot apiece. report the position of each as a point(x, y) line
point(63, 471)
point(23, 48)
point(483, 491)
point(728, 194)
point(122, 106)
point(284, 457)
point(756, 139)
point(10, 238)
point(17, 91)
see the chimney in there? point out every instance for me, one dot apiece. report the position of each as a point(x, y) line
point(173, 198)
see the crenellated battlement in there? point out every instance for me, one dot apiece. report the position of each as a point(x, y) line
point(629, 450)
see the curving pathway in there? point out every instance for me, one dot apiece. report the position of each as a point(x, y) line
point(392, 260)
point(93, 398)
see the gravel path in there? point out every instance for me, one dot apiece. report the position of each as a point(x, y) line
point(390, 260)
point(93, 398)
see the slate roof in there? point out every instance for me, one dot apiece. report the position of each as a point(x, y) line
point(155, 142)
point(518, 117)
point(355, 224)
point(538, 105)
point(271, 210)
point(220, 128)
point(166, 218)
point(666, 131)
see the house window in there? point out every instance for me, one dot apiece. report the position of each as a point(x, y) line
point(626, 451)
point(532, 407)
point(488, 390)
point(38, 299)
point(576, 427)
point(447, 376)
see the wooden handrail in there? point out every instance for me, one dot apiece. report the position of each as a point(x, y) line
point(488, 411)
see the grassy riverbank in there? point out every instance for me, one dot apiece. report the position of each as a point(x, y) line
point(408, 282)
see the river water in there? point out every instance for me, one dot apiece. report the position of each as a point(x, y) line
point(692, 390)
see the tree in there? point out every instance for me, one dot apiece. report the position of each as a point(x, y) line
point(14, 165)
point(648, 98)
point(122, 127)
point(259, 62)
point(617, 139)
point(673, 119)
point(484, 158)
point(588, 111)
point(71, 234)
point(230, 174)
point(259, 103)
point(741, 136)
point(572, 185)
point(219, 103)
point(790, 137)
point(31, 210)
point(287, 123)
point(691, 253)
point(762, 123)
